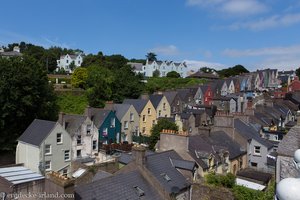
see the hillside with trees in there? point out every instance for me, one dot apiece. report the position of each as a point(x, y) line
point(232, 71)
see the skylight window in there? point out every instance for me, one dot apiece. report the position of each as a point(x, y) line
point(139, 191)
point(166, 177)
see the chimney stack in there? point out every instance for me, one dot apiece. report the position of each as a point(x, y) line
point(138, 153)
point(61, 118)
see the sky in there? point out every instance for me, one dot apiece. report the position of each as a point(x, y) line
point(257, 34)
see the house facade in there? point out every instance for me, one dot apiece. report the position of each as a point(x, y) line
point(84, 134)
point(65, 61)
point(164, 67)
point(45, 146)
point(161, 105)
point(147, 114)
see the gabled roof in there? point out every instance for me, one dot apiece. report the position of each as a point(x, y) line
point(203, 88)
point(73, 122)
point(183, 94)
point(97, 115)
point(37, 131)
point(248, 132)
point(170, 95)
point(138, 104)
point(155, 99)
point(136, 66)
point(161, 167)
point(121, 110)
point(131, 185)
point(290, 143)
point(220, 138)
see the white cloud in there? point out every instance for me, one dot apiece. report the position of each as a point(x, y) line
point(269, 22)
point(197, 64)
point(231, 7)
point(271, 51)
point(169, 50)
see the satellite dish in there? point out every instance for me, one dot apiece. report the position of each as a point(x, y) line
point(288, 189)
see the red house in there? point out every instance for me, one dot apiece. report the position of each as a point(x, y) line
point(207, 95)
point(295, 85)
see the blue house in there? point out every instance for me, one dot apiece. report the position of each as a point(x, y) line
point(109, 126)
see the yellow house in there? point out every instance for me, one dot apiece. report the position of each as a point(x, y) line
point(147, 114)
point(161, 105)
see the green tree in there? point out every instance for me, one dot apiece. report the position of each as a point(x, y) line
point(173, 74)
point(79, 78)
point(232, 71)
point(151, 56)
point(100, 81)
point(207, 70)
point(156, 73)
point(72, 66)
point(157, 128)
point(298, 72)
point(25, 94)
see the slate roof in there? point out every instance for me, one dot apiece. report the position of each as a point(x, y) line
point(248, 132)
point(138, 104)
point(183, 94)
point(118, 187)
point(255, 175)
point(184, 164)
point(220, 138)
point(101, 175)
point(170, 95)
point(160, 165)
point(200, 74)
point(121, 110)
point(155, 99)
point(203, 88)
point(10, 53)
point(136, 66)
point(73, 122)
point(290, 143)
point(97, 115)
point(37, 131)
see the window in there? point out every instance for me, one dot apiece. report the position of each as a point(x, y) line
point(144, 118)
point(78, 139)
point(67, 61)
point(125, 124)
point(131, 117)
point(164, 106)
point(67, 155)
point(149, 111)
point(78, 62)
point(65, 172)
point(59, 138)
point(78, 153)
point(178, 103)
point(256, 150)
point(104, 132)
point(88, 129)
point(112, 122)
point(94, 144)
point(47, 149)
point(174, 108)
point(153, 122)
point(253, 164)
point(144, 130)
point(47, 165)
point(159, 113)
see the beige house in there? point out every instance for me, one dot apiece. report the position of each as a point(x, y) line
point(129, 119)
point(45, 146)
point(161, 105)
point(147, 114)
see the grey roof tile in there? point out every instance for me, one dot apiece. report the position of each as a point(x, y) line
point(290, 143)
point(155, 99)
point(138, 104)
point(37, 131)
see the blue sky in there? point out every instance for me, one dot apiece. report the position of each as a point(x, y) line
point(220, 33)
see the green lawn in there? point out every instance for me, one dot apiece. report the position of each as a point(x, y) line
point(71, 103)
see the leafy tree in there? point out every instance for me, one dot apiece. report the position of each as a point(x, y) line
point(79, 78)
point(207, 70)
point(232, 71)
point(24, 95)
point(72, 66)
point(100, 82)
point(151, 56)
point(298, 72)
point(173, 74)
point(156, 73)
point(157, 128)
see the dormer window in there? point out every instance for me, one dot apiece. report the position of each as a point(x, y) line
point(166, 177)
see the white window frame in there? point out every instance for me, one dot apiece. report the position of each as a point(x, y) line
point(126, 125)
point(61, 138)
point(257, 150)
point(50, 149)
point(149, 111)
point(144, 118)
point(67, 156)
point(131, 117)
point(95, 145)
point(113, 122)
point(48, 168)
point(79, 138)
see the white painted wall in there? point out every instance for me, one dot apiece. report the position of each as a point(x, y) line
point(29, 155)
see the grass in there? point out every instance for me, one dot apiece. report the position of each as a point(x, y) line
point(72, 103)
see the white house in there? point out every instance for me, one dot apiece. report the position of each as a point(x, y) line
point(45, 146)
point(65, 61)
point(164, 67)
